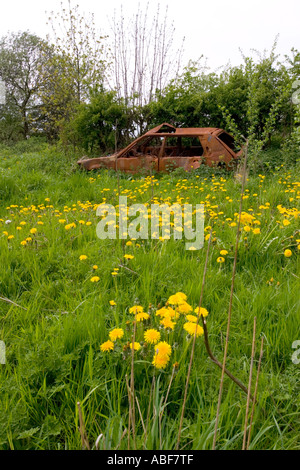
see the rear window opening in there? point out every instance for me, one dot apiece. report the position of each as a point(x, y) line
point(228, 140)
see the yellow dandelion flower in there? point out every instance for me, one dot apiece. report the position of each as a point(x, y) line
point(167, 323)
point(107, 346)
point(220, 259)
point(136, 309)
point(136, 346)
point(223, 252)
point(152, 336)
point(160, 361)
point(95, 279)
point(192, 328)
point(116, 333)
point(287, 253)
point(33, 231)
point(191, 318)
point(10, 237)
point(177, 299)
point(88, 223)
point(163, 348)
point(24, 242)
point(184, 308)
point(112, 303)
point(142, 316)
point(203, 311)
point(95, 267)
point(128, 256)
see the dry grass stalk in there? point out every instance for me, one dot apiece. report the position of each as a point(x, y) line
point(231, 298)
point(132, 384)
point(194, 342)
point(84, 439)
point(215, 360)
point(255, 390)
point(249, 385)
point(130, 410)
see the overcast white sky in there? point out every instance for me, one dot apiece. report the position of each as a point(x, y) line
point(216, 29)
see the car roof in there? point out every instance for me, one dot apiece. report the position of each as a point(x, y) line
point(167, 129)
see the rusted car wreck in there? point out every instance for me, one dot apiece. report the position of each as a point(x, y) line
point(165, 147)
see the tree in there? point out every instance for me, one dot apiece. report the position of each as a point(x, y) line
point(21, 56)
point(76, 65)
point(100, 125)
point(143, 57)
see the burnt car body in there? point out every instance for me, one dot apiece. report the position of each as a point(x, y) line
point(165, 147)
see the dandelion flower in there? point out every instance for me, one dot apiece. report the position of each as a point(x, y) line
point(33, 231)
point(115, 334)
point(107, 346)
point(223, 252)
point(163, 348)
point(191, 318)
point(82, 257)
point(112, 303)
point(168, 323)
point(220, 259)
point(203, 311)
point(136, 346)
point(256, 231)
point(95, 279)
point(152, 336)
point(136, 309)
point(160, 361)
point(128, 256)
point(95, 267)
point(184, 307)
point(192, 328)
point(142, 316)
point(287, 253)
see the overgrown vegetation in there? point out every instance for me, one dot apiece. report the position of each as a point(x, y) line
point(54, 319)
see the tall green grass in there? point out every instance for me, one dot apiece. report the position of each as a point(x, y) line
point(53, 334)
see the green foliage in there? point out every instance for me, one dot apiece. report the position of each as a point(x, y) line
point(100, 125)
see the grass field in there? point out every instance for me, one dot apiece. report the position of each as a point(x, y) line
point(63, 290)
